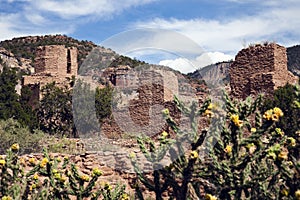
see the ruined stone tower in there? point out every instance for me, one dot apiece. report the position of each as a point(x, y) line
point(259, 69)
point(53, 63)
point(56, 60)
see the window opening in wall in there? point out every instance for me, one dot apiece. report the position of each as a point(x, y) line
point(69, 61)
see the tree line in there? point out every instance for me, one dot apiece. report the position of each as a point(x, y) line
point(53, 114)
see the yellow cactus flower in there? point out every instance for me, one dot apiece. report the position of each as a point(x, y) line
point(248, 146)
point(228, 149)
point(239, 124)
point(268, 114)
point(44, 162)
point(2, 162)
point(278, 111)
point(85, 178)
point(210, 106)
point(279, 131)
point(54, 171)
point(194, 155)
point(125, 197)
point(107, 186)
point(6, 198)
point(15, 147)
point(97, 172)
point(66, 158)
point(164, 134)
point(297, 194)
point(283, 155)
point(235, 119)
point(291, 141)
point(22, 162)
point(32, 187)
point(210, 197)
point(63, 178)
point(35, 176)
point(58, 159)
point(272, 155)
point(284, 192)
point(253, 130)
point(57, 176)
point(208, 113)
point(132, 155)
point(32, 161)
point(165, 112)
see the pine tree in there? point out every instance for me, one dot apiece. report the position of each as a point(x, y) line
point(10, 106)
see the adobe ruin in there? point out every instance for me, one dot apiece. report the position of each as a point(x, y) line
point(259, 69)
point(53, 63)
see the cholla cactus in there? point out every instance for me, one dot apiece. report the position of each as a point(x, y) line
point(109, 193)
point(178, 175)
point(251, 156)
point(50, 178)
point(11, 175)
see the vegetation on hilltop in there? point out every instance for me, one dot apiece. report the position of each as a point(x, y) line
point(25, 46)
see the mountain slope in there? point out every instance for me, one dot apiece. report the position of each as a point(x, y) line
point(293, 54)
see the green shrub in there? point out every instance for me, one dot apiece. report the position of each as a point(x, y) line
point(11, 131)
point(58, 144)
point(285, 97)
point(55, 111)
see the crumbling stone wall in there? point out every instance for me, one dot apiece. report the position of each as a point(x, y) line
point(259, 69)
point(56, 59)
point(144, 94)
point(53, 63)
point(116, 166)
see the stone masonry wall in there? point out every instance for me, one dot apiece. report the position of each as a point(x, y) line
point(53, 63)
point(144, 94)
point(54, 59)
point(115, 166)
point(259, 69)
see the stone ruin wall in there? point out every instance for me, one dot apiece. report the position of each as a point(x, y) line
point(148, 93)
point(115, 165)
point(259, 69)
point(55, 59)
point(53, 63)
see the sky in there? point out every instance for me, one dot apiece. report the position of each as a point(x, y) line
point(183, 34)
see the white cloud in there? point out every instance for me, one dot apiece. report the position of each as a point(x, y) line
point(228, 34)
point(57, 16)
point(190, 65)
point(181, 64)
point(69, 9)
point(7, 25)
point(212, 58)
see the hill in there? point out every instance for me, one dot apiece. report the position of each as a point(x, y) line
point(20, 52)
point(293, 54)
point(213, 73)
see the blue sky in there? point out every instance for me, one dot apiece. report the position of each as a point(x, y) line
point(220, 28)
